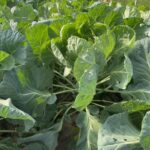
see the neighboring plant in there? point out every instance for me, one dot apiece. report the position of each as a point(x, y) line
point(74, 75)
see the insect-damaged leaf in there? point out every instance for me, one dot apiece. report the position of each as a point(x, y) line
point(86, 70)
point(118, 133)
point(122, 74)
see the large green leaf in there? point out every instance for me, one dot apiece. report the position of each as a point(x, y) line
point(81, 20)
point(113, 18)
point(145, 132)
point(37, 146)
point(87, 88)
point(86, 70)
point(39, 40)
point(28, 88)
point(128, 106)
point(49, 139)
point(125, 38)
point(57, 52)
point(133, 22)
point(89, 126)
point(67, 31)
point(90, 55)
point(122, 74)
point(99, 28)
point(118, 133)
point(97, 12)
point(7, 62)
point(140, 58)
point(90, 77)
point(25, 13)
point(132, 16)
point(8, 144)
point(131, 12)
point(57, 24)
point(83, 25)
point(8, 110)
point(146, 17)
point(3, 55)
point(106, 43)
point(87, 58)
point(14, 45)
point(142, 31)
point(75, 45)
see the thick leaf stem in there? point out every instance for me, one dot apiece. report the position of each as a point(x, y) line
point(62, 86)
point(98, 105)
point(103, 80)
point(65, 91)
point(104, 101)
point(64, 78)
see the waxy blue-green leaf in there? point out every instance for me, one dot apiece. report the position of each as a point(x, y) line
point(13, 44)
point(142, 31)
point(47, 139)
point(122, 74)
point(37, 146)
point(28, 88)
point(8, 143)
point(140, 58)
point(89, 126)
point(118, 133)
point(145, 132)
point(9, 111)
